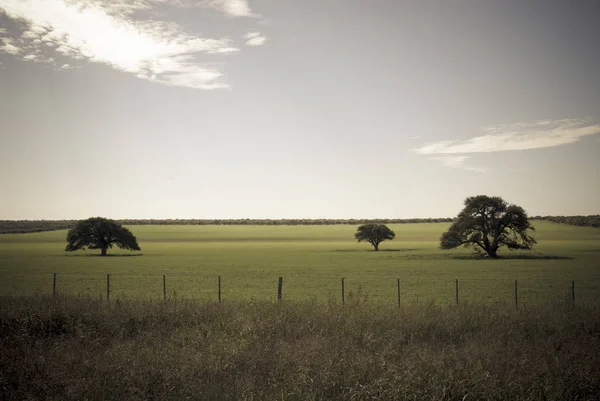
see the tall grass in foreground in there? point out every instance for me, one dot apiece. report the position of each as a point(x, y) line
point(73, 348)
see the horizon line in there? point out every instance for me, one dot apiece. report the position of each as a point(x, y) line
point(285, 218)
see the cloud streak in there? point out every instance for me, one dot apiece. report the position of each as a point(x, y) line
point(519, 136)
point(102, 33)
point(458, 162)
point(234, 8)
point(255, 39)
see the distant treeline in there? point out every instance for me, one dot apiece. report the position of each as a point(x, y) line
point(582, 221)
point(283, 222)
point(30, 226)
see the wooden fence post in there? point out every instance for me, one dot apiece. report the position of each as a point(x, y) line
point(219, 289)
point(343, 295)
point(516, 295)
point(398, 293)
point(280, 289)
point(456, 291)
point(573, 291)
point(54, 285)
point(164, 287)
point(108, 287)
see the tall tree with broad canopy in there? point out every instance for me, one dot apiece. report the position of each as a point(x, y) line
point(374, 234)
point(100, 233)
point(487, 223)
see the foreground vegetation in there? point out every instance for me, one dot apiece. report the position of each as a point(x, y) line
point(76, 348)
point(312, 261)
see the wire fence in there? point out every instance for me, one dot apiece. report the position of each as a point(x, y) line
point(519, 292)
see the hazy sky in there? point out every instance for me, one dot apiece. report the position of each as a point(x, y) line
point(297, 109)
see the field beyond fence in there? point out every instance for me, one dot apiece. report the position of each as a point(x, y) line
point(188, 262)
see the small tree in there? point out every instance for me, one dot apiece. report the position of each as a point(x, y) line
point(487, 223)
point(100, 233)
point(374, 234)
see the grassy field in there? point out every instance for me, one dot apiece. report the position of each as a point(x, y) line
point(78, 346)
point(312, 260)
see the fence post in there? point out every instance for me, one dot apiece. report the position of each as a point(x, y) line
point(280, 289)
point(516, 296)
point(398, 293)
point(456, 291)
point(343, 295)
point(219, 289)
point(108, 287)
point(164, 287)
point(53, 284)
point(573, 291)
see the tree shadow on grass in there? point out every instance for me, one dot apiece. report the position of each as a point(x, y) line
point(398, 250)
point(371, 250)
point(509, 257)
point(109, 255)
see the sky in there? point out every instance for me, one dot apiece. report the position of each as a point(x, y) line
point(216, 109)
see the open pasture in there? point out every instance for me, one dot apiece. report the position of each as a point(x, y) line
point(312, 261)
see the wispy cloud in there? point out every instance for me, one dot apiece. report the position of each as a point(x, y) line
point(519, 136)
point(458, 162)
point(255, 39)
point(102, 31)
point(234, 8)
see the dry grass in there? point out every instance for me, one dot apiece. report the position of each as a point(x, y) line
point(75, 348)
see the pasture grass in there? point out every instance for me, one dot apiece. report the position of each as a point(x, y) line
point(312, 260)
point(87, 349)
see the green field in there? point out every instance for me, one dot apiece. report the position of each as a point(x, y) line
point(312, 260)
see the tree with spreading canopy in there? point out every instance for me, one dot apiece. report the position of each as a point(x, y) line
point(487, 223)
point(100, 233)
point(374, 234)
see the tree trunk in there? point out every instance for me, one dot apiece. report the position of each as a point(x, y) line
point(103, 251)
point(376, 246)
point(493, 253)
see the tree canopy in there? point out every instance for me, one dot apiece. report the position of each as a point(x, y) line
point(374, 234)
point(100, 233)
point(487, 223)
